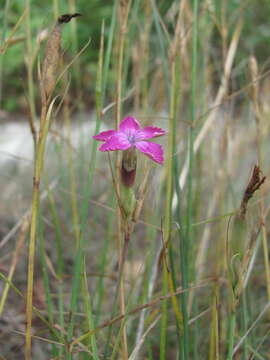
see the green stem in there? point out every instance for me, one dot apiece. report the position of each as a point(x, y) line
point(231, 330)
point(164, 315)
point(89, 313)
point(60, 265)
point(189, 218)
point(46, 284)
point(39, 160)
point(4, 29)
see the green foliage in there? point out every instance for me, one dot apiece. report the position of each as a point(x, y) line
point(42, 17)
point(256, 34)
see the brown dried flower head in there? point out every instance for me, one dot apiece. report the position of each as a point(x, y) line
point(52, 57)
point(255, 182)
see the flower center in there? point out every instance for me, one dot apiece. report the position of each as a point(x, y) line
point(131, 137)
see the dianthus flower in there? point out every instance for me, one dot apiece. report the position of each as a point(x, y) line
point(132, 135)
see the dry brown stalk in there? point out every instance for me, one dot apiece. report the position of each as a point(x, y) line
point(154, 302)
point(15, 258)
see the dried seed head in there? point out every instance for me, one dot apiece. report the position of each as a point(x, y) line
point(52, 57)
point(50, 64)
point(255, 182)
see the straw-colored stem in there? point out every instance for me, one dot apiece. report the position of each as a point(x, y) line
point(119, 87)
point(39, 159)
point(120, 282)
point(259, 141)
point(31, 260)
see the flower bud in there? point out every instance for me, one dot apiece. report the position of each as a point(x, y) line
point(128, 168)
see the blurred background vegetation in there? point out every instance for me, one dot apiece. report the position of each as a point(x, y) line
point(191, 76)
point(254, 40)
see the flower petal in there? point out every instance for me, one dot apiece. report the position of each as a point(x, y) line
point(149, 132)
point(129, 124)
point(104, 135)
point(118, 141)
point(152, 150)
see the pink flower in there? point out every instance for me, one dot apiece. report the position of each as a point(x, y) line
point(130, 134)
